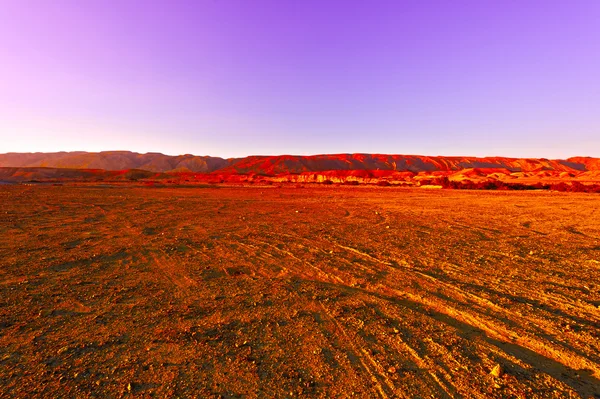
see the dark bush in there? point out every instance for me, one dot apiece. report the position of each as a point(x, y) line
point(442, 181)
point(562, 186)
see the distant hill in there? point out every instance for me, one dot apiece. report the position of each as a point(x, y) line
point(339, 168)
point(26, 174)
point(114, 160)
point(279, 164)
point(271, 165)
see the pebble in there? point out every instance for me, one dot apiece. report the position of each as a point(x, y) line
point(497, 371)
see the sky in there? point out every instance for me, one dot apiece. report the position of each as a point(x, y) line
point(518, 78)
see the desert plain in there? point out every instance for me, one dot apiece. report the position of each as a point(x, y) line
point(298, 291)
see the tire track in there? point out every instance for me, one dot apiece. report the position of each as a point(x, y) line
point(430, 369)
point(175, 274)
point(327, 276)
point(516, 339)
point(364, 357)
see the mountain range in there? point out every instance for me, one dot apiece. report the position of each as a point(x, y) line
point(299, 168)
point(277, 164)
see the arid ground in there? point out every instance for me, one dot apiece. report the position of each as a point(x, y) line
point(327, 292)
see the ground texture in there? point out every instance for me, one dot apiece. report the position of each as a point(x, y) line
point(326, 292)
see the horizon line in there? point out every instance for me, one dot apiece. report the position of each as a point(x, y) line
point(290, 154)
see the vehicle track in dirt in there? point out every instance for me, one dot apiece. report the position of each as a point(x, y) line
point(298, 292)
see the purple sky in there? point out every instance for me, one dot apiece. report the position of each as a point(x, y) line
point(240, 77)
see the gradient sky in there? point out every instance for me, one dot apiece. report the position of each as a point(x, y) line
point(240, 77)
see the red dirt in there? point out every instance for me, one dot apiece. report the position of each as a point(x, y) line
point(283, 292)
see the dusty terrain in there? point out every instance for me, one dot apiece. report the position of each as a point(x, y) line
point(327, 292)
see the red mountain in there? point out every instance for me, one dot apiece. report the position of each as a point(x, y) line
point(339, 168)
point(272, 165)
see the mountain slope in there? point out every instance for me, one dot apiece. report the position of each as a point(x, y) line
point(272, 165)
point(291, 164)
point(114, 160)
